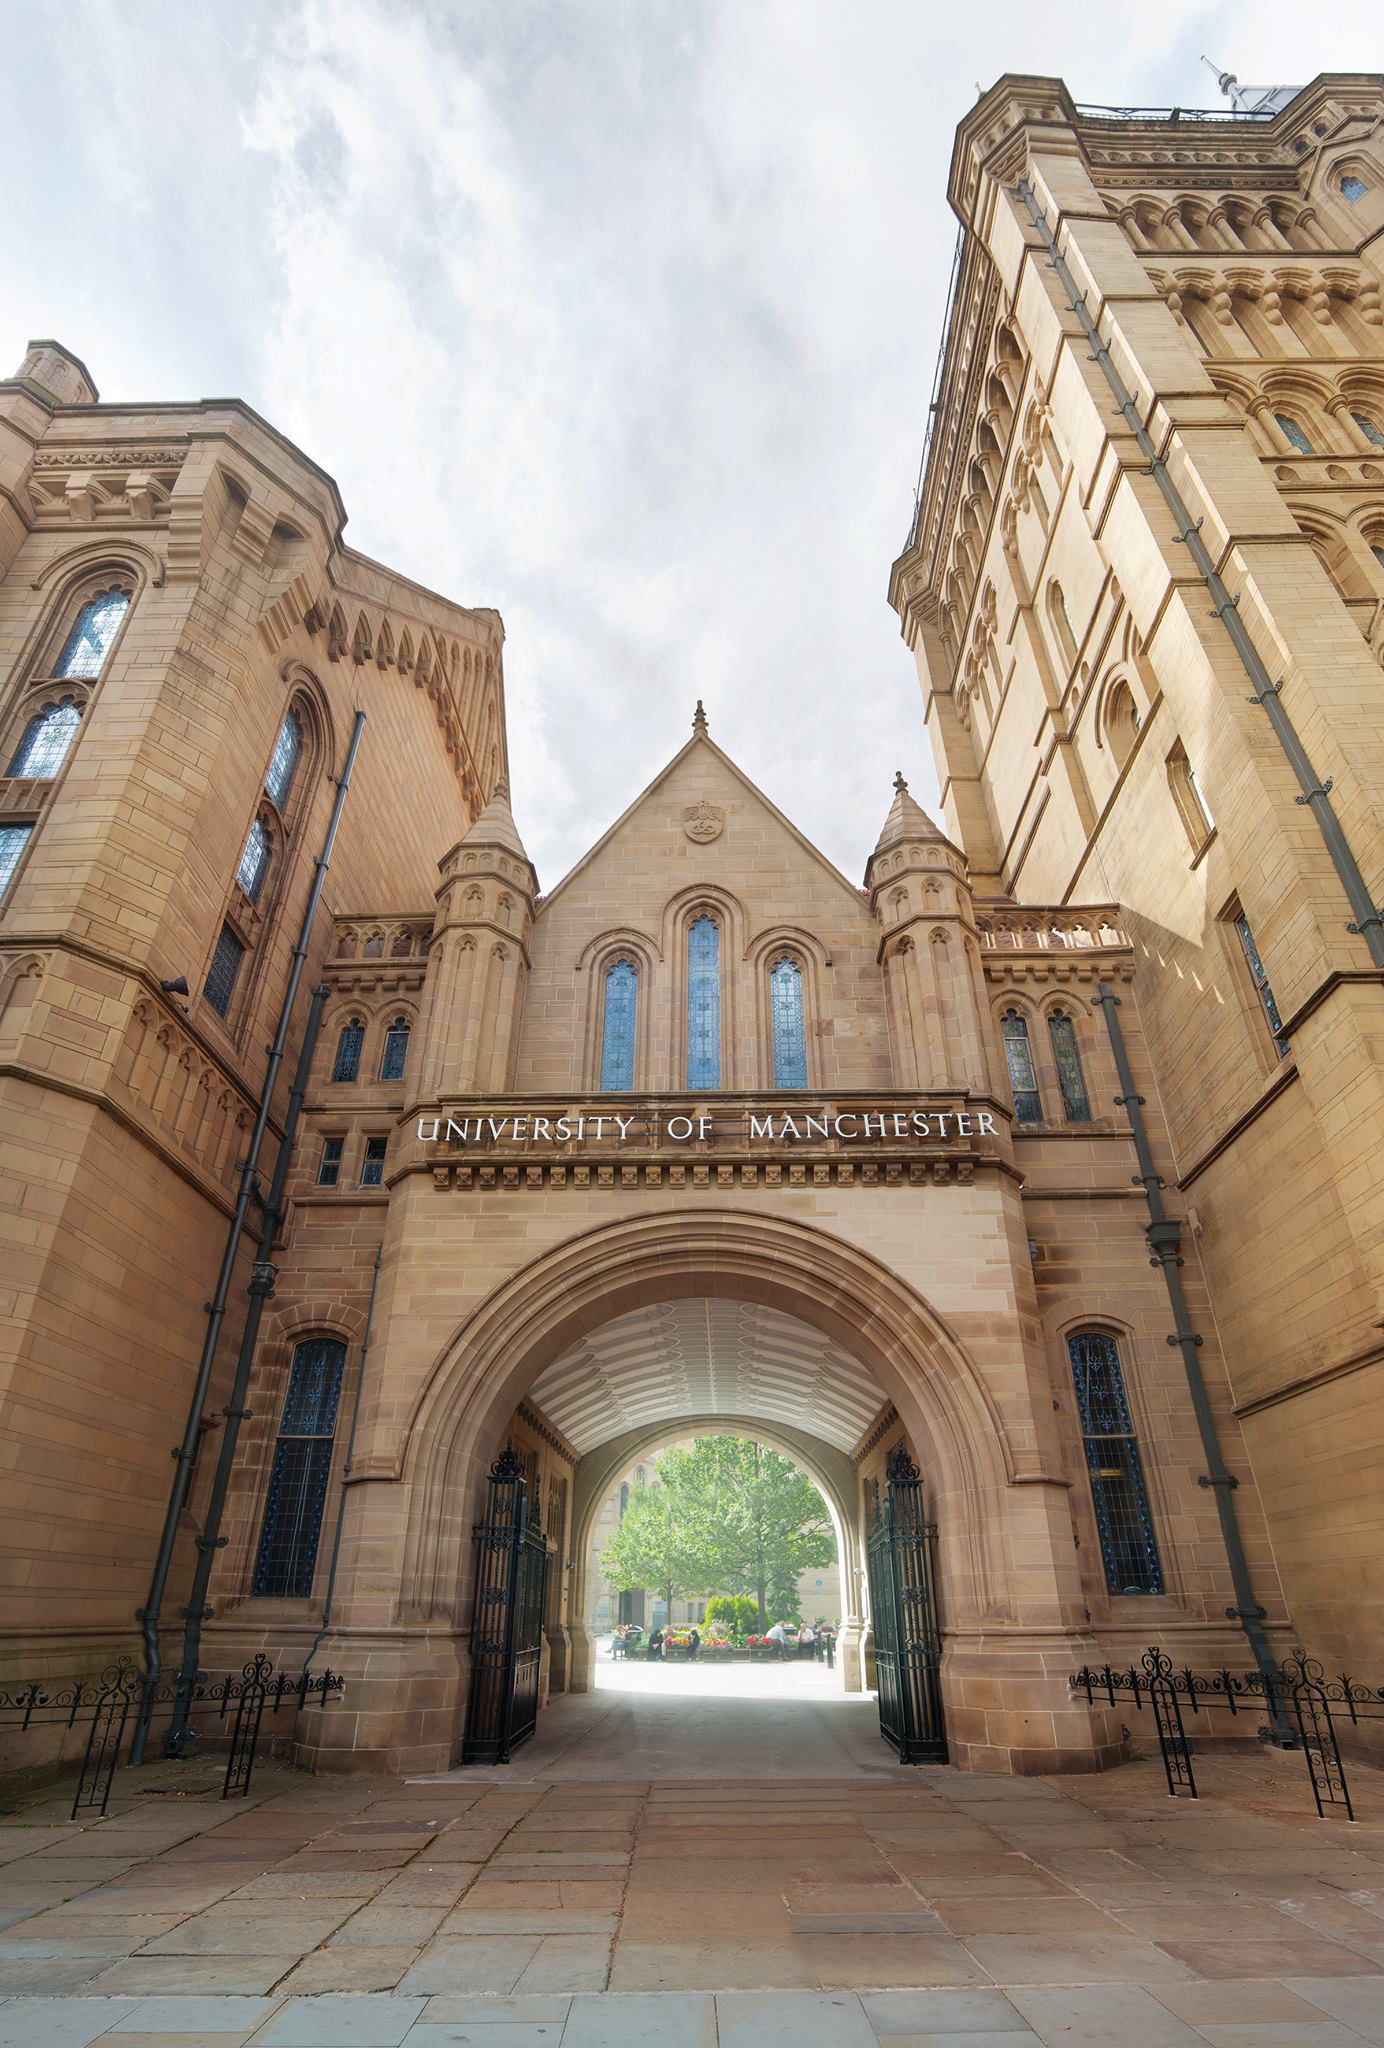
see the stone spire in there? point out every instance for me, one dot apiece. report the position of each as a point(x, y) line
point(478, 962)
point(906, 820)
point(495, 827)
point(699, 730)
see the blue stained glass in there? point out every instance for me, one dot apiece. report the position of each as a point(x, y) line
point(221, 975)
point(617, 1031)
point(348, 1048)
point(302, 1462)
point(13, 840)
point(395, 1056)
point(1075, 1102)
point(254, 862)
point(47, 738)
point(89, 642)
point(704, 1004)
point(284, 760)
point(790, 1043)
point(1028, 1104)
point(1124, 1524)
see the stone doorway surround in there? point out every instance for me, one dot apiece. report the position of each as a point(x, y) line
point(997, 1491)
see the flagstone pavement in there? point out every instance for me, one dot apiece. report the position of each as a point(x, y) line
point(876, 1909)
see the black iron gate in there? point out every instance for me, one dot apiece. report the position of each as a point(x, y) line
point(507, 1625)
point(903, 1609)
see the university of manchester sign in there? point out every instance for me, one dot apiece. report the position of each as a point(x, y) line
point(747, 1127)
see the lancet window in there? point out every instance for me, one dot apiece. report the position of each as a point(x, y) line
point(92, 637)
point(346, 1065)
point(1067, 1059)
point(395, 1056)
point(1023, 1080)
point(1124, 1522)
point(298, 1479)
point(790, 1038)
point(704, 1004)
point(47, 740)
point(618, 1026)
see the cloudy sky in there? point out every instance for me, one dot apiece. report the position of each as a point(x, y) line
point(617, 315)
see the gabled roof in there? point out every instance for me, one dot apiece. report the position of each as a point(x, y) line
point(701, 738)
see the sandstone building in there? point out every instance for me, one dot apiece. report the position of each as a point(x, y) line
point(1103, 716)
point(708, 1135)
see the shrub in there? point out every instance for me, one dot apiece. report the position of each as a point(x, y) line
point(736, 1611)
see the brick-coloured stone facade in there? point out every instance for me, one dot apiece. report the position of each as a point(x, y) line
point(1096, 729)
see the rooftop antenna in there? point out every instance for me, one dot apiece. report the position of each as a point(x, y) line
point(1263, 100)
point(1229, 84)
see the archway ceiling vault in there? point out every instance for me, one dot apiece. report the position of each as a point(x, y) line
point(706, 1357)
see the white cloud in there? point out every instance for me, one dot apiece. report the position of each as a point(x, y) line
point(619, 317)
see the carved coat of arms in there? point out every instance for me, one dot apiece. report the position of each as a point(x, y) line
point(703, 821)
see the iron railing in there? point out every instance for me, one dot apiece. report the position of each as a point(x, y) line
point(104, 1705)
point(1296, 1692)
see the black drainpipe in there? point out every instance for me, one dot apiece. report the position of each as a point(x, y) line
point(346, 1469)
point(1367, 922)
point(1164, 1241)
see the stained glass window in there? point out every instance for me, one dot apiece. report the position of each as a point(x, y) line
point(1353, 188)
point(221, 975)
point(346, 1065)
point(1070, 1078)
point(1028, 1106)
point(704, 1004)
point(372, 1164)
point(254, 862)
point(298, 1480)
point(13, 840)
point(395, 1050)
point(617, 1028)
point(1293, 433)
point(47, 738)
point(790, 1043)
point(90, 640)
point(1128, 1545)
point(1261, 982)
point(283, 762)
point(1370, 428)
point(329, 1170)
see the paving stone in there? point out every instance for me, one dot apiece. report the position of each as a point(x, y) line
point(364, 2022)
point(670, 2021)
point(145, 1976)
point(471, 1963)
point(210, 2015)
point(57, 2022)
point(567, 1962)
point(1224, 2001)
point(489, 1919)
point(377, 1926)
point(447, 2006)
point(223, 1931)
point(1354, 2001)
point(1296, 1951)
point(939, 2011)
point(769, 2019)
point(428, 1886)
point(1095, 2015)
point(1283, 2034)
point(348, 1969)
point(1075, 1959)
point(53, 1975)
point(487, 2034)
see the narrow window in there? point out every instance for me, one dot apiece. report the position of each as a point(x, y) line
point(90, 640)
point(617, 1027)
point(254, 862)
point(346, 1065)
point(47, 739)
point(283, 762)
point(329, 1170)
point(1070, 1078)
point(1121, 722)
point(1293, 434)
point(395, 1054)
point(1261, 982)
point(1061, 623)
point(372, 1164)
point(1370, 428)
point(1378, 552)
point(1128, 1545)
point(704, 1004)
point(298, 1479)
point(13, 840)
point(1028, 1107)
point(1192, 806)
point(1353, 188)
point(790, 1044)
point(221, 975)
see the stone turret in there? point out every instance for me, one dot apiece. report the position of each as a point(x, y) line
point(920, 893)
point(479, 960)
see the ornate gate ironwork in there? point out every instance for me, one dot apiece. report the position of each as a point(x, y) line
point(903, 1607)
point(507, 1626)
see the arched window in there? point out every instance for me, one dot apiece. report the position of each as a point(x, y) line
point(1028, 1106)
point(224, 970)
point(298, 1480)
point(395, 1056)
point(1121, 722)
point(1378, 552)
point(1370, 428)
point(13, 840)
point(790, 1042)
point(1353, 188)
point(346, 1065)
point(283, 762)
point(1263, 988)
point(1128, 1545)
point(91, 638)
point(254, 862)
point(704, 1004)
point(1061, 622)
point(1192, 806)
point(617, 1027)
point(47, 740)
point(1070, 1078)
point(1293, 433)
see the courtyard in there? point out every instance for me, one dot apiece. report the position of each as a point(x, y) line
point(694, 1857)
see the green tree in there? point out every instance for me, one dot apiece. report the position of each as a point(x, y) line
point(654, 1546)
point(736, 1610)
point(750, 1518)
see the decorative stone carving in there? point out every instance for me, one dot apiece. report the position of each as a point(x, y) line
point(703, 822)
